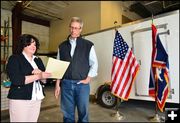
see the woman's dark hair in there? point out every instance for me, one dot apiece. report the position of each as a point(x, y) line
point(24, 41)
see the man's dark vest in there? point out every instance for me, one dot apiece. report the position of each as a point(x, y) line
point(79, 63)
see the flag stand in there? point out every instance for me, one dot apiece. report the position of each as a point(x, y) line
point(118, 115)
point(156, 117)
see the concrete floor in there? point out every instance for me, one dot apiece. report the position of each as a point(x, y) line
point(133, 111)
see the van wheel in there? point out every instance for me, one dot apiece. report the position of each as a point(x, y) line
point(105, 98)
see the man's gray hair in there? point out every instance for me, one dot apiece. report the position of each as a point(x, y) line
point(76, 19)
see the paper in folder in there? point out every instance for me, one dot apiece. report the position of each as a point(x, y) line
point(56, 67)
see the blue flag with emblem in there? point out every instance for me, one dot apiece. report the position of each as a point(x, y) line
point(161, 64)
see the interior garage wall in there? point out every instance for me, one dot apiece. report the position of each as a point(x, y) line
point(97, 15)
point(39, 31)
point(110, 12)
point(89, 11)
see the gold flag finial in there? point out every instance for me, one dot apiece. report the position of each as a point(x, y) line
point(115, 22)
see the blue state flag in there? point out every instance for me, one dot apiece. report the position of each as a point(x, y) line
point(161, 64)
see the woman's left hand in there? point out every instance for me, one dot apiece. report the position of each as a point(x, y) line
point(36, 71)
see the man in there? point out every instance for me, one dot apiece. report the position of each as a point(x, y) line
point(75, 88)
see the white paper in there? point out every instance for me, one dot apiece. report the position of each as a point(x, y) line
point(56, 67)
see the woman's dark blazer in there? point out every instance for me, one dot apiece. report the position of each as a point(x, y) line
point(17, 68)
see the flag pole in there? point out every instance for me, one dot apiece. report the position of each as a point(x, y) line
point(117, 114)
point(115, 22)
point(152, 18)
point(156, 117)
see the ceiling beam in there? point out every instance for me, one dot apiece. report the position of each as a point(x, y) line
point(140, 9)
point(41, 12)
point(26, 4)
point(35, 20)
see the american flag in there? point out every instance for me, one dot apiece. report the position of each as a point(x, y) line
point(124, 68)
point(159, 76)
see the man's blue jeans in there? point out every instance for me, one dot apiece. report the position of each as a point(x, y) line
point(72, 95)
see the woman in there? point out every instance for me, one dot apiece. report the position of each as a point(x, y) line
point(26, 72)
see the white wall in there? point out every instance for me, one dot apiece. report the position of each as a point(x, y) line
point(104, 42)
point(39, 31)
